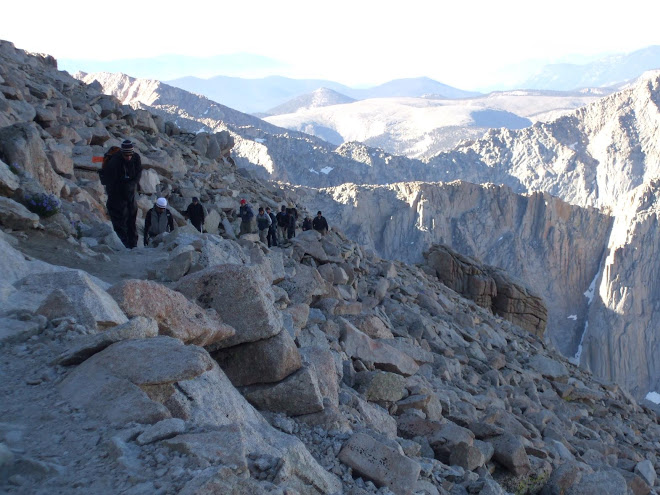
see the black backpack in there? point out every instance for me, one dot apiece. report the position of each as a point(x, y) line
point(103, 177)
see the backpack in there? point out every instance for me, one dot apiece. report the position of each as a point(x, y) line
point(106, 158)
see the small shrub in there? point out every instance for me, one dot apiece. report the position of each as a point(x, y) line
point(44, 205)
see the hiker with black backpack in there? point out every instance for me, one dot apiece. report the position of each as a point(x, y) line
point(120, 174)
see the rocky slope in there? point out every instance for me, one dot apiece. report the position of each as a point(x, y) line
point(597, 156)
point(313, 368)
point(552, 246)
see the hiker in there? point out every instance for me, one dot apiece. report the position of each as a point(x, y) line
point(159, 219)
point(263, 224)
point(195, 212)
point(246, 214)
point(320, 224)
point(272, 230)
point(282, 224)
point(121, 176)
point(307, 224)
point(291, 227)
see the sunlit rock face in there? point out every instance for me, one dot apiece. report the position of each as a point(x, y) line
point(553, 247)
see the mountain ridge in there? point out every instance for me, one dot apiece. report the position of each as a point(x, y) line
point(609, 71)
point(258, 95)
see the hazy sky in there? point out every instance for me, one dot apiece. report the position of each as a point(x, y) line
point(467, 44)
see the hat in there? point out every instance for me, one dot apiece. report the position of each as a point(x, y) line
point(318, 212)
point(127, 146)
point(243, 201)
point(195, 199)
point(161, 202)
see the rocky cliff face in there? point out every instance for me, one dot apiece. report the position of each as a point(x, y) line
point(552, 246)
point(622, 342)
point(594, 157)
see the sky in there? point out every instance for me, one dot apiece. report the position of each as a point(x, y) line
point(469, 44)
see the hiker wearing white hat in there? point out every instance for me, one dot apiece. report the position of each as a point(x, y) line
point(159, 219)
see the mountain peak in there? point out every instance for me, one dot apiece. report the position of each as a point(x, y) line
point(321, 97)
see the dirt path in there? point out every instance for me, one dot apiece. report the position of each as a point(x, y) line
point(134, 263)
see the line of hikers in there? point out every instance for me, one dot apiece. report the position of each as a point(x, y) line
point(277, 229)
point(121, 173)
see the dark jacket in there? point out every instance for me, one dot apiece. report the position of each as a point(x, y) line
point(122, 177)
point(307, 224)
point(246, 213)
point(273, 222)
point(320, 223)
point(195, 212)
point(282, 219)
point(263, 221)
point(156, 223)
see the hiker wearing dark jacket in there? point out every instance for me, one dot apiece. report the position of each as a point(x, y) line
point(247, 215)
point(159, 219)
point(282, 224)
point(263, 224)
point(307, 224)
point(272, 230)
point(320, 224)
point(291, 228)
point(195, 212)
point(121, 176)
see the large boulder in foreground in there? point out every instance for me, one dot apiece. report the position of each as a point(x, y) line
point(264, 361)
point(71, 293)
point(176, 315)
point(210, 402)
point(240, 296)
point(120, 383)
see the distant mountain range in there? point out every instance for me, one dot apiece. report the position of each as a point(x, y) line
point(259, 95)
point(422, 127)
point(610, 71)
